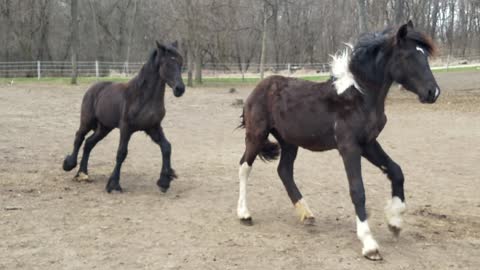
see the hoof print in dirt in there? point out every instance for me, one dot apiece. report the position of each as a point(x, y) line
point(237, 102)
point(309, 221)
point(395, 230)
point(232, 90)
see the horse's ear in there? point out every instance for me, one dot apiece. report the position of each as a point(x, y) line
point(161, 47)
point(410, 24)
point(175, 44)
point(402, 32)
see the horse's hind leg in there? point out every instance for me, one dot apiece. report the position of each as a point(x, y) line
point(396, 206)
point(253, 146)
point(285, 171)
point(167, 174)
point(70, 161)
point(100, 132)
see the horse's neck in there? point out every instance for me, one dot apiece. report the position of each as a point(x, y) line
point(375, 97)
point(148, 92)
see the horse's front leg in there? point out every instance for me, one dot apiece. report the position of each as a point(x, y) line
point(374, 153)
point(114, 181)
point(351, 155)
point(167, 174)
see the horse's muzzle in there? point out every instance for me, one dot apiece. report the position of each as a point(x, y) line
point(432, 95)
point(179, 90)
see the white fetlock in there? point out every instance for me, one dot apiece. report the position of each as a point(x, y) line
point(242, 209)
point(370, 249)
point(304, 211)
point(82, 177)
point(393, 213)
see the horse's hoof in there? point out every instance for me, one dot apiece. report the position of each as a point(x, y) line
point(163, 189)
point(395, 230)
point(246, 221)
point(309, 221)
point(373, 255)
point(113, 187)
point(69, 164)
point(82, 177)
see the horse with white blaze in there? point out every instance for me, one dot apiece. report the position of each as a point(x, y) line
point(346, 113)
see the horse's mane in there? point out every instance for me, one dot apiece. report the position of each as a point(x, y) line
point(148, 74)
point(373, 49)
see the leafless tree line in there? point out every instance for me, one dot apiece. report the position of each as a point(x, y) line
point(222, 31)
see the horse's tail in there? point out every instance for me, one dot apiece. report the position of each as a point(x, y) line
point(242, 120)
point(270, 151)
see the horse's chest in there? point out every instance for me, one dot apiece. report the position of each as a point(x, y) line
point(374, 124)
point(146, 117)
point(364, 127)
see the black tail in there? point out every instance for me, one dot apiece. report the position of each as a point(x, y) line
point(270, 151)
point(242, 120)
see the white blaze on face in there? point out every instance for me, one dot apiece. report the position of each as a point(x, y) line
point(420, 49)
point(365, 236)
point(243, 173)
point(340, 70)
point(393, 212)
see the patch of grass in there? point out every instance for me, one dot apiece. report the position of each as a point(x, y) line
point(207, 82)
point(455, 69)
point(62, 80)
point(249, 81)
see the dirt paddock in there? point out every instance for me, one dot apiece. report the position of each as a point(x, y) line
point(48, 221)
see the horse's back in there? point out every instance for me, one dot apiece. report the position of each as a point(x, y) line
point(298, 110)
point(105, 100)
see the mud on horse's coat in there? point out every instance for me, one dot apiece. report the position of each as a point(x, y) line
point(345, 113)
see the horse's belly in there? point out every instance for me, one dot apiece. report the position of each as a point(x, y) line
point(309, 134)
point(108, 110)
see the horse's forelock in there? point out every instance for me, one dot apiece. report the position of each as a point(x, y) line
point(424, 41)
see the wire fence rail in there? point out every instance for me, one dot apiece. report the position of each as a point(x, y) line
point(41, 69)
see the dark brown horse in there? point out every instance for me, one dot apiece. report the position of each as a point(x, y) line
point(344, 113)
point(138, 105)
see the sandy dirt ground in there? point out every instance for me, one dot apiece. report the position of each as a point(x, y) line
point(47, 221)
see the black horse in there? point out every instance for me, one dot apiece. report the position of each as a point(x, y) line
point(344, 113)
point(133, 106)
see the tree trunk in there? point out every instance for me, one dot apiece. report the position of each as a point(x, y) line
point(264, 42)
point(399, 6)
point(436, 9)
point(130, 38)
point(95, 31)
point(189, 67)
point(198, 66)
point(74, 15)
point(362, 16)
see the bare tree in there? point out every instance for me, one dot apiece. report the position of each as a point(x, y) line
point(264, 39)
point(75, 40)
point(362, 15)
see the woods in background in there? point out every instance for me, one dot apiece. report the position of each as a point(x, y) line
point(222, 31)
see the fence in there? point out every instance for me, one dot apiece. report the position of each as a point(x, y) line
point(40, 69)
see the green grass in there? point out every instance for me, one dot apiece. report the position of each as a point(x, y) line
point(207, 82)
point(62, 80)
point(456, 69)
